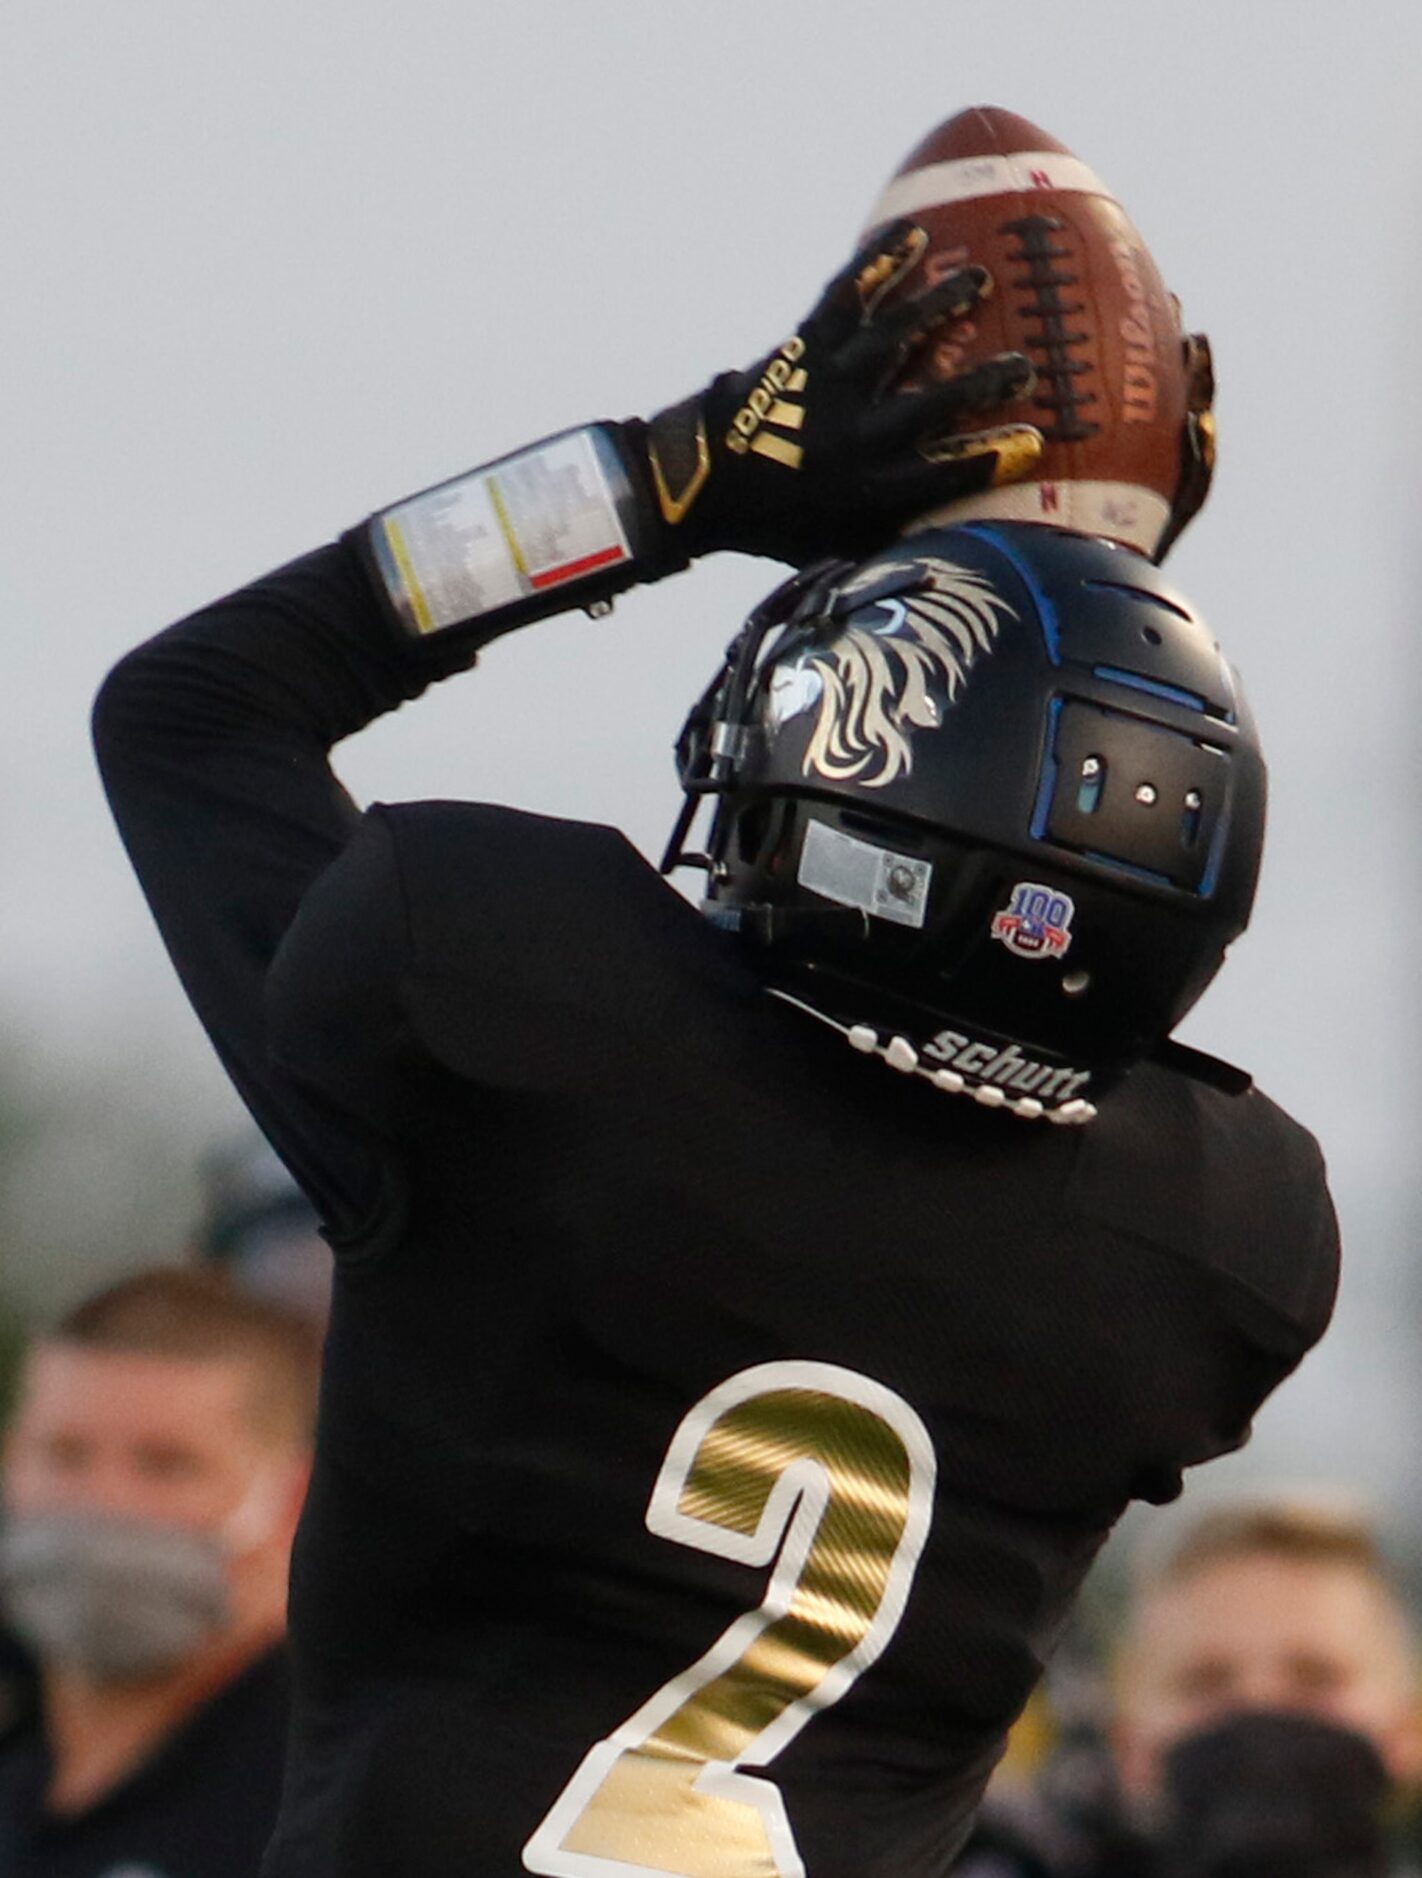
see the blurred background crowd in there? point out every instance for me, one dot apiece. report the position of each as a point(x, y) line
point(270, 268)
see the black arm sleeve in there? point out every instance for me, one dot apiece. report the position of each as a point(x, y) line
point(212, 740)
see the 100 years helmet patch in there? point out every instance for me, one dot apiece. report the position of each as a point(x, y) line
point(1036, 922)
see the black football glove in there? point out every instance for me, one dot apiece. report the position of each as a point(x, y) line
point(813, 452)
point(1197, 440)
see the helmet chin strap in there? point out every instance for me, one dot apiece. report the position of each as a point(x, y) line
point(901, 1055)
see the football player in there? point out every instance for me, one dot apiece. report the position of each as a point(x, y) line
point(746, 1327)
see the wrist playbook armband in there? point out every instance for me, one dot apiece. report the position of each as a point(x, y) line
point(566, 522)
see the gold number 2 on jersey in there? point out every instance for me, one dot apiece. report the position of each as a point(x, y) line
point(830, 1476)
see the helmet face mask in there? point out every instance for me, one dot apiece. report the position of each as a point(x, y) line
point(996, 784)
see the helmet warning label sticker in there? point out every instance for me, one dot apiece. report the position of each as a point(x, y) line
point(856, 873)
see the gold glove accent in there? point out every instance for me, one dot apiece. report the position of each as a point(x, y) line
point(778, 449)
point(885, 271)
point(1017, 448)
point(767, 405)
point(1199, 371)
point(675, 507)
point(1206, 436)
point(1198, 440)
point(1200, 399)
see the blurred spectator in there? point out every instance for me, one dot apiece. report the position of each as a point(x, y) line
point(258, 1225)
point(1265, 1721)
point(1270, 1605)
point(152, 1480)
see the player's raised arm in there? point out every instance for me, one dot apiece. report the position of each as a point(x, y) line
point(811, 452)
point(213, 736)
point(212, 739)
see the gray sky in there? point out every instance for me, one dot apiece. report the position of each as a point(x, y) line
point(270, 266)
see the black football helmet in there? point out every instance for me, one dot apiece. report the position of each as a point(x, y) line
point(992, 801)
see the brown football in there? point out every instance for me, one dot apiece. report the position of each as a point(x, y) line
point(1075, 289)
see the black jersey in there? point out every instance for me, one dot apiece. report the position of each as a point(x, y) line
point(715, 1426)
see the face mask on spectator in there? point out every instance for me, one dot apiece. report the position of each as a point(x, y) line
point(1262, 1793)
point(116, 1599)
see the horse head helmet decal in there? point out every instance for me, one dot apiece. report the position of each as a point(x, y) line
point(875, 683)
